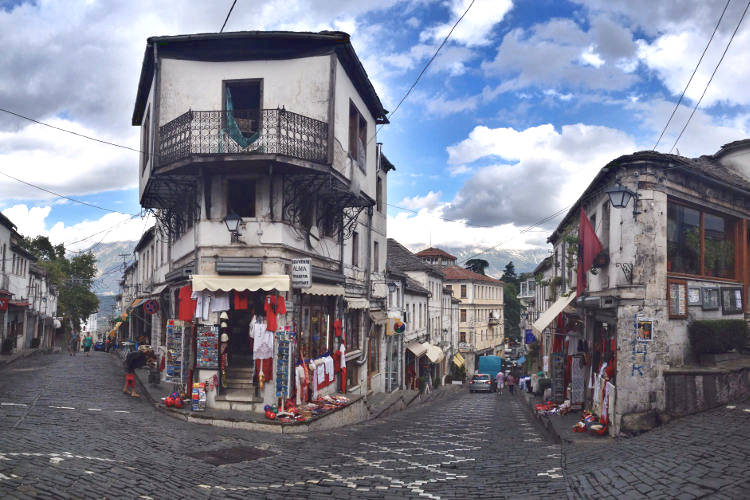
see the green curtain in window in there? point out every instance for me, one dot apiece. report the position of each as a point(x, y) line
point(233, 129)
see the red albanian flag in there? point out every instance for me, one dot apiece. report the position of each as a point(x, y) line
point(589, 247)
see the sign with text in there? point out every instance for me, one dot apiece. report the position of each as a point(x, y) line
point(301, 273)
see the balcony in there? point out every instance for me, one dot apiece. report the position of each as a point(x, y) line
point(268, 131)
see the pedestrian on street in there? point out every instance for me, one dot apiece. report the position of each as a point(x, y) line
point(133, 360)
point(73, 343)
point(87, 343)
point(511, 384)
point(500, 382)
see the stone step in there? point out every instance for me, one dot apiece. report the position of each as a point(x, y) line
point(239, 395)
point(233, 383)
point(238, 406)
point(240, 373)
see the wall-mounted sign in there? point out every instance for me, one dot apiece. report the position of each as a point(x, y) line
point(677, 298)
point(644, 329)
point(301, 273)
point(151, 306)
point(464, 347)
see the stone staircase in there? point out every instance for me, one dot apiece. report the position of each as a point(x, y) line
point(239, 391)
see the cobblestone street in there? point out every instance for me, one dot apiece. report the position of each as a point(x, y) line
point(70, 432)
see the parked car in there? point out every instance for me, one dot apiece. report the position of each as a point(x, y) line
point(99, 346)
point(481, 382)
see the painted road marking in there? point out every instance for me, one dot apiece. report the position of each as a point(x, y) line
point(63, 407)
point(95, 409)
point(14, 404)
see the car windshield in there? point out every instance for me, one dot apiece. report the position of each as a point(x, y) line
point(481, 377)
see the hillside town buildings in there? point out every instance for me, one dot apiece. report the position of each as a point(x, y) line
point(28, 301)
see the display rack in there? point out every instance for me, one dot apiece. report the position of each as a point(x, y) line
point(207, 355)
point(175, 352)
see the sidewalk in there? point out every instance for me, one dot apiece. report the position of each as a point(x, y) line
point(360, 408)
point(6, 359)
point(560, 427)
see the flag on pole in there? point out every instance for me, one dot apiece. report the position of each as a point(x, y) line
point(589, 247)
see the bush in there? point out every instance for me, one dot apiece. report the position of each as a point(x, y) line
point(717, 336)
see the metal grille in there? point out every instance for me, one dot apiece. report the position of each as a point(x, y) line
point(221, 132)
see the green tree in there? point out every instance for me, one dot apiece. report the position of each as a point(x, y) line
point(477, 265)
point(509, 275)
point(73, 278)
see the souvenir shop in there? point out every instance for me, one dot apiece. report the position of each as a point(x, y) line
point(242, 335)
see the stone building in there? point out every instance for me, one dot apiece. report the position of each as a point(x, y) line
point(675, 239)
point(260, 148)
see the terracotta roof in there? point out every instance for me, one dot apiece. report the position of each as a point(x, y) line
point(399, 258)
point(435, 252)
point(455, 273)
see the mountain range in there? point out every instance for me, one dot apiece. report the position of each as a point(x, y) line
point(109, 262)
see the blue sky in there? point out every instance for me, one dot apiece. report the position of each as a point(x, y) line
point(524, 104)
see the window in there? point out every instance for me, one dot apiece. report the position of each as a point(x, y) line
point(379, 194)
point(241, 197)
point(146, 139)
point(373, 358)
point(462, 337)
point(376, 257)
point(353, 329)
point(352, 376)
point(355, 249)
point(449, 287)
point(421, 322)
point(463, 315)
point(463, 291)
point(242, 102)
point(605, 225)
point(357, 136)
point(700, 243)
point(4, 248)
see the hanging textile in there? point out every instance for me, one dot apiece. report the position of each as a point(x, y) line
point(220, 302)
point(186, 309)
point(274, 304)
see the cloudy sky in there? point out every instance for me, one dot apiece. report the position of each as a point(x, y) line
point(526, 101)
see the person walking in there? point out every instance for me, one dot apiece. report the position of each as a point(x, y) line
point(73, 343)
point(500, 382)
point(511, 384)
point(88, 341)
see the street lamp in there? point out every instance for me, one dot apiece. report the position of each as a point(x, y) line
point(619, 196)
point(232, 221)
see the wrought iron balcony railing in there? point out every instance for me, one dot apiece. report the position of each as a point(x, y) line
point(267, 131)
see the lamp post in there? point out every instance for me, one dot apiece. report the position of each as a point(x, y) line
point(232, 221)
point(619, 196)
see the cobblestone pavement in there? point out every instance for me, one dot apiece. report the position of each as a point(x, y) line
point(68, 432)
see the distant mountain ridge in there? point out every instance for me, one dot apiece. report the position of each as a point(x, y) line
point(109, 265)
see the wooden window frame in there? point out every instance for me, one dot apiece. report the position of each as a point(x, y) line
point(725, 311)
point(737, 234)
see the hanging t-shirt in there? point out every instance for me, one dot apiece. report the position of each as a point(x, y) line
point(203, 304)
point(342, 350)
point(330, 374)
point(273, 305)
point(220, 302)
point(337, 327)
point(241, 300)
point(186, 309)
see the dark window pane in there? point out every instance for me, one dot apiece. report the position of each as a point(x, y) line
point(719, 247)
point(683, 239)
point(241, 199)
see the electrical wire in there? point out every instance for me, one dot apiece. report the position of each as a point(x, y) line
point(70, 131)
point(695, 108)
point(228, 14)
point(691, 76)
point(421, 73)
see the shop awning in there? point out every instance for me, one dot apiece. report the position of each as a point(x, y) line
point(458, 360)
point(417, 348)
point(434, 354)
point(213, 283)
point(321, 289)
point(137, 302)
point(550, 314)
point(357, 303)
point(158, 289)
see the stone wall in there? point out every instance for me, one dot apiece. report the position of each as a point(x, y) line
point(692, 391)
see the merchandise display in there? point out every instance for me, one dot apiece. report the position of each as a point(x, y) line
point(302, 413)
point(208, 347)
point(175, 337)
point(199, 397)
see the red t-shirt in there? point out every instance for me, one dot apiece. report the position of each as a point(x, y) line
point(337, 327)
point(186, 310)
point(241, 300)
point(273, 305)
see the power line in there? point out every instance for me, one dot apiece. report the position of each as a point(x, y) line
point(70, 131)
point(99, 232)
point(227, 19)
point(695, 108)
point(63, 196)
point(421, 73)
point(691, 76)
point(443, 218)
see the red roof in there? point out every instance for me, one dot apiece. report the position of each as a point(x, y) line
point(455, 273)
point(435, 252)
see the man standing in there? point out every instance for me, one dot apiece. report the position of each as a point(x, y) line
point(511, 383)
point(73, 343)
point(500, 382)
point(134, 360)
point(87, 343)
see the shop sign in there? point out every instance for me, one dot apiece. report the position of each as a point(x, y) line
point(301, 273)
point(464, 347)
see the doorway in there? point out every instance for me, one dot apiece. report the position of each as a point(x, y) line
point(240, 343)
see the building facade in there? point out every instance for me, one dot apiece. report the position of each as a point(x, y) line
point(676, 253)
point(259, 148)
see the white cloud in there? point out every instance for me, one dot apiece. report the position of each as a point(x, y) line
point(547, 169)
point(430, 201)
point(455, 170)
point(557, 54)
point(476, 26)
point(32, 221)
